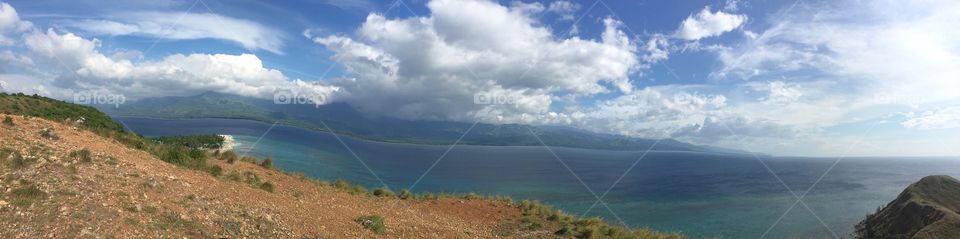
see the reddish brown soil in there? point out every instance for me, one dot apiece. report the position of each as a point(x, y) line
point(128, 193)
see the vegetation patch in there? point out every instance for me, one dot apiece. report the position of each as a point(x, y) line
point(267, 163)
point(382, 192)
point(206, 141)
point(405, 194)
point(82, 155)
point(14, 160)
point(8, 121)
point(26, 195)
point(48, 133)
point(373, 223)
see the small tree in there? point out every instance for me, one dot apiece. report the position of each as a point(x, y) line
point(267, 163)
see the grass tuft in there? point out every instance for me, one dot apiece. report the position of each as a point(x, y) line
point(26, 195)
point(373, 223)
point(382, 192)
point(82, 155)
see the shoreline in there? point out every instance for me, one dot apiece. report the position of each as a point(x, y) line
point(228, 142)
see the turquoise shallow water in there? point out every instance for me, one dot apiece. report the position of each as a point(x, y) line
point(700, 194)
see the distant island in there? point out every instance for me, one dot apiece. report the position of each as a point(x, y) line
point(343, 119)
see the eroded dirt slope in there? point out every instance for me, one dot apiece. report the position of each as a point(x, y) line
point(45, 192)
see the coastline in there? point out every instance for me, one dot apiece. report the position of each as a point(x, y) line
point(228, 142)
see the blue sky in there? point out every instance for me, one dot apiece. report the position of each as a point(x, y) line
point(827, 78)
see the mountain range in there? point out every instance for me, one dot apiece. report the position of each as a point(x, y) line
point(344, 119)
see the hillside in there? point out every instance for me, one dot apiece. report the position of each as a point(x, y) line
point(62, 176)
point(344, 119)
point(926, 209)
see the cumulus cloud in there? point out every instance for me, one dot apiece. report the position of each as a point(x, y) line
point(10, 22)
point(86, 68)
point(708, 24)
point(188, 26)
point(432, 67)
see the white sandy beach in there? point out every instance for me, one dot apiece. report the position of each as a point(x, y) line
point(228, 142)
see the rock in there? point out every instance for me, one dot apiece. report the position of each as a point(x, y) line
point(3, 203)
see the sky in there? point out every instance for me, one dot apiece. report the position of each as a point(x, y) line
point(806, 78)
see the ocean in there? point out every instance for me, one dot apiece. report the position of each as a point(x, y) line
point(698, 194)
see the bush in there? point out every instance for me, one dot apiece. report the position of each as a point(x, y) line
point(471, 196)
point(208, 141)
point(83, 155)
point(374, 223)
point(405, 194)
point(7, 120)
point(382, 192)
point(26, 195)
point(15, 160)
point(190, 158)
point(267, 163)
point(267, 186)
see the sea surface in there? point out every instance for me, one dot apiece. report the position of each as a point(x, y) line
point(698, 194)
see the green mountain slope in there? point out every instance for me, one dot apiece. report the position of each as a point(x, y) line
point(926, 209)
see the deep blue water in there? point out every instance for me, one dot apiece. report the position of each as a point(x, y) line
point(699, 194)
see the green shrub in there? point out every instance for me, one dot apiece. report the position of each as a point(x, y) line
point(82, 155)
point(207, 141)
point(177, 155)
point(267, 186)
point(26, 195)
point(17, 161)
point(373, 223)
point(234, 176)
point(471, 196)
point(341, 183)
point(405, 194)
point(7, 120)
point(382, 192)
point(358, 189)
point(267, 163)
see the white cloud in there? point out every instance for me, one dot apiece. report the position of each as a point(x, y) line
point(708, 24)
point(779, 92)
point(565, 9)
point(85, 68)
point(527, 8)
point(188, 26)
point(10, 22)
point(912, 56)
point(935, 119)
point(431, 67)
point(650, 112)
